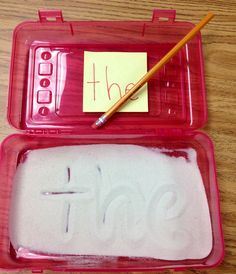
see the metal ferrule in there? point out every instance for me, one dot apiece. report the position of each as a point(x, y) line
point(100, 121)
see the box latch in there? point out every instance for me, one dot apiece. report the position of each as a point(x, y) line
point(50, 16)
point(163, 15)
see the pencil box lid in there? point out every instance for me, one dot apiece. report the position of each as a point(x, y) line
point(48, 50)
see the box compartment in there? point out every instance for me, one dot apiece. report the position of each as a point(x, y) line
point(53, 102)
point(12, 152)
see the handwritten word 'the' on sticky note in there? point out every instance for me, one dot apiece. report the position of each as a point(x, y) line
point(109, 75)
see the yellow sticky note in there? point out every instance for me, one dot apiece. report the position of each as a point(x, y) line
point(108, 75)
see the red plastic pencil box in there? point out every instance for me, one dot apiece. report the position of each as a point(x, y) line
point(48, 113)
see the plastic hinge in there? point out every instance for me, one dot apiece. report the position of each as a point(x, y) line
point(170, 132)
point(46, 131)
point(50, 16)
point(163, 15)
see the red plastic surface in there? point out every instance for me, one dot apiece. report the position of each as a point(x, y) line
point(13, 150)
point(46, 84)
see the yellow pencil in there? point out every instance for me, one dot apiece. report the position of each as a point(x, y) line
point(107, 115)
